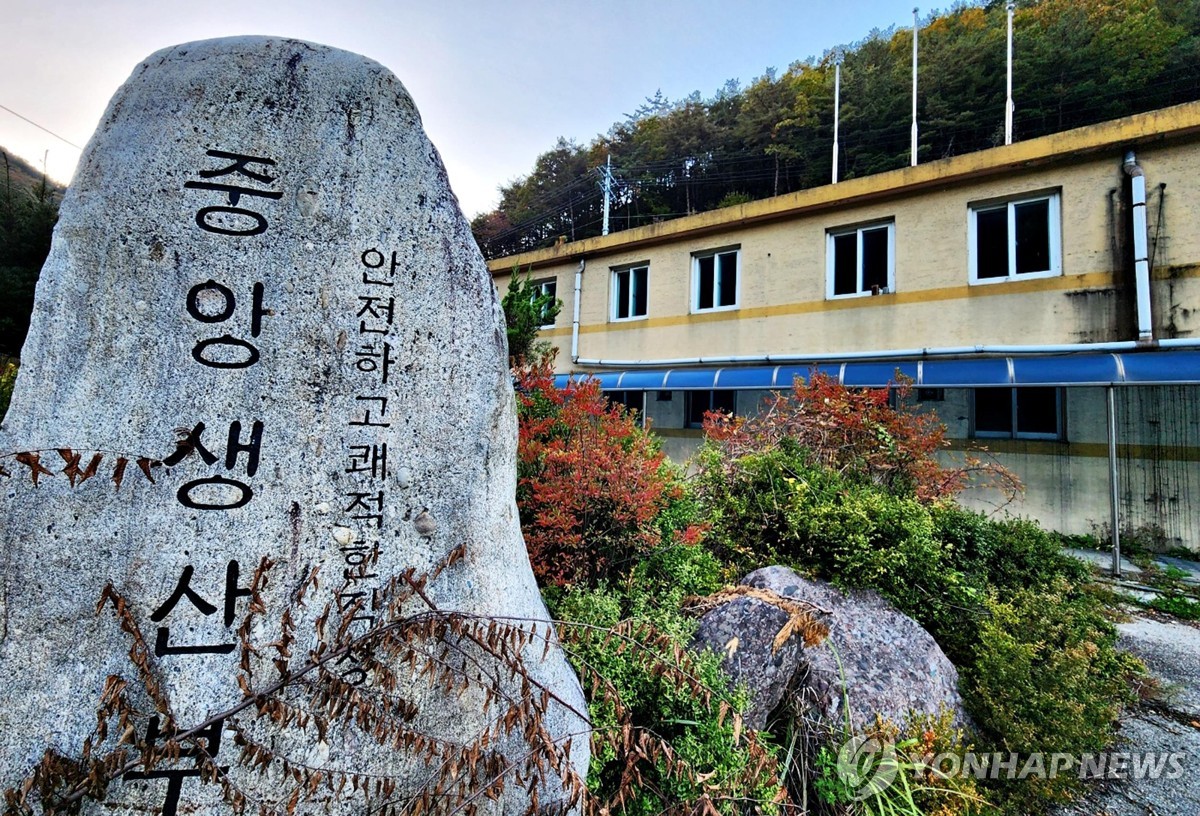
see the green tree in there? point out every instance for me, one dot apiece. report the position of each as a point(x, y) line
point(526, 309)
point(772, 114)
point(1082, 61)
point(27, 218)
point(1076, 62)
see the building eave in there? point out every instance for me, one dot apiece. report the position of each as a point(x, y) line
point(1166, 124)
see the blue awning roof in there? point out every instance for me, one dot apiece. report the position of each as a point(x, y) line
point(1080, 369)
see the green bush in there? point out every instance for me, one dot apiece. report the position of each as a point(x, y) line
point(1004, 554)
point(1047, 676)
point(670, 574)
point(625, 643)
point(8, 378)
point(845, 531)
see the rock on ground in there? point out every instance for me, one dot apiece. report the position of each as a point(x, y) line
point(882, 661)
point(744, 630)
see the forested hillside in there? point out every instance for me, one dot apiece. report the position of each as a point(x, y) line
point(28, 210)
point(22, 174)
point(1076, 62)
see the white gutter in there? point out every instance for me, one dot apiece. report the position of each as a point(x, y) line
point(1141, 259)
point(892, 354)
point(575, 319)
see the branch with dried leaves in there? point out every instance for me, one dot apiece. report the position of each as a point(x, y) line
point(448, 651)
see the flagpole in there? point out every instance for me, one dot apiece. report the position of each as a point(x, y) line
point(837, 101)
point(914, 93)
point(1008, 105)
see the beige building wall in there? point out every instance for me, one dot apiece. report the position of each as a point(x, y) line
point(1066, 482)
point(783, 307)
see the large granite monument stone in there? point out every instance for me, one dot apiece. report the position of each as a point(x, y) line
point(265, 401)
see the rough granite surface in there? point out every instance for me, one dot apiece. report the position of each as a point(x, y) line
point(744, 630)
point(891, 666)
point(259, 238)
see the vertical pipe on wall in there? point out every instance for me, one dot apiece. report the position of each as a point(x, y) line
point(1141, 252)
point(575, 319)
point(1113, 483)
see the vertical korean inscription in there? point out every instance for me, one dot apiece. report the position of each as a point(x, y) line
point(240, 315)
point(365, 457)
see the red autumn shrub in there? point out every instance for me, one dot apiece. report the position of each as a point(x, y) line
point(859, 434)
point(591, 482)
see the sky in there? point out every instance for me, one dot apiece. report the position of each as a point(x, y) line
point(496, 82)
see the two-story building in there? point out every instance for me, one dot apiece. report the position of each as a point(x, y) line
point(1044, 297)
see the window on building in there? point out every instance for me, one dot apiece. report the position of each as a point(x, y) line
point(860, 260)
point(632, 400)
point(1011, 239)
point(931, 395)
point(629, 289)
point(1018, 413)
point(715, 280)
point(701, 402)
point(547, 288)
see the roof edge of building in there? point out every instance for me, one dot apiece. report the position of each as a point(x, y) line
point(1128, 132)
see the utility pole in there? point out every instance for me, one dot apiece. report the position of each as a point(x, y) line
point(607, 184)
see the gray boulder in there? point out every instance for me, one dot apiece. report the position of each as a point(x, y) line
point(744, 631)
point(890, 665)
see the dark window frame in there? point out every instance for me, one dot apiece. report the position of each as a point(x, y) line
point(698, 403)
point(711, 282)
point(838, 271)
point(627, 295)
point(1005, 421)
point(631, 399)
point(996, 226)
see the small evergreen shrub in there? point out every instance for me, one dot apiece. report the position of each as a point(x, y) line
point(526, 310)
point(1047, 677)
point(1006, 554)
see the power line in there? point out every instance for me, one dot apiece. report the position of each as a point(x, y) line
point(39, 127)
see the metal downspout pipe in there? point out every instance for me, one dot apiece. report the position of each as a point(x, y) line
point(882, 355)
point(1141, 254)
point(575, 310)
point(1145, 329)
